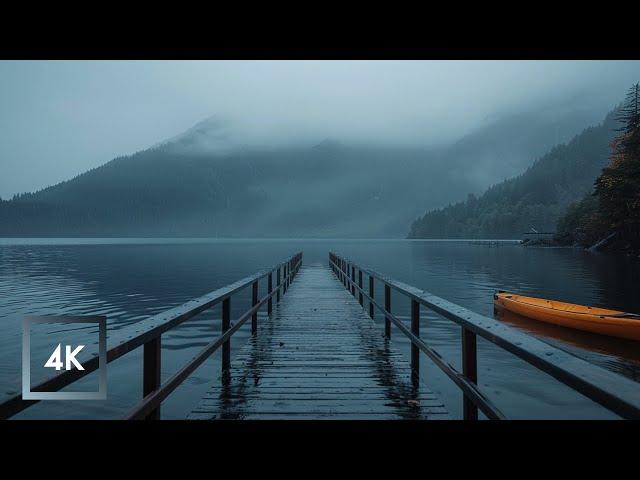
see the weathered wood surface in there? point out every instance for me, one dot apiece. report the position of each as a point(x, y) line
point(319, 356)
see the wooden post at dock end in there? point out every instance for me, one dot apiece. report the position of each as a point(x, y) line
point(344, 275)
point(151, 371)
point(353, 280)
point(226, 324)
point(347, 275)
point(371, 295)
point(469, 370)
point(278, 286)
point(387, 307)
point(269, 290)
point(285, 279)
point(283, 282)
point(254, 302)
point(360, 285)
point(415, 351)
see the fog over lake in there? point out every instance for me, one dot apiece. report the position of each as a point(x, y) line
point(60, 118)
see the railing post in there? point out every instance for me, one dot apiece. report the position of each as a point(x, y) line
point(269, 290)
point(347, 274)
point(284, 279)
point(344, 280)
point(151, 371)
point(353, 280)
point(469, 370)
point(387, 307)
point(415, 351)
point(278, 286)
point(344, 273)
point(371, 295)
point(254, 302)
point(360, 285)
point(226, 324)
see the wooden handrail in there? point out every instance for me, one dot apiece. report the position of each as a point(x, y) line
point(152, 401)
point(147, 333)
point(612, 391)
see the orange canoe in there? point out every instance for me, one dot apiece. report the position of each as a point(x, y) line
point(580, 317)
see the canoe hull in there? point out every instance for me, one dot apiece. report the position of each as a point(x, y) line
point(569, 315)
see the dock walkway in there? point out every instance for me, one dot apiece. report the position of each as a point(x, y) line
point(319, 356)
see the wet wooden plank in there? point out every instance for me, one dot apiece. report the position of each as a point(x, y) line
point(319, 356)
point(318, 415)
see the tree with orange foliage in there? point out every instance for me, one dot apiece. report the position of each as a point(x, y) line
point(618, 188)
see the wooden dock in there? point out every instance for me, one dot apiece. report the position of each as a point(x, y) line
point(319, 356)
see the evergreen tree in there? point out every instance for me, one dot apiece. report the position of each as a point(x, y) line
point(629, 113)
point(618, 187)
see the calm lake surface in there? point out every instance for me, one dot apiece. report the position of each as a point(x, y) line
point(131, 279)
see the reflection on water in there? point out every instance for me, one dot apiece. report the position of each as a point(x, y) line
point(617, 354)
point(128, 280)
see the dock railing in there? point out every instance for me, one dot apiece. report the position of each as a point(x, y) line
point(149, 337)
point(614, 392)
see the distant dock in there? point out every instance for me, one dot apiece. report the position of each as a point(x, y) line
point(537, 236)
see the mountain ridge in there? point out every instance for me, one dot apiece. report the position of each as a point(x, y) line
point(535, 199)
point(328, 189)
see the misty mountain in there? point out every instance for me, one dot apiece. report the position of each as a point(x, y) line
point(209, 182)
point(506, 145)
point(535, 199)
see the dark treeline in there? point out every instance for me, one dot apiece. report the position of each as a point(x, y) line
point(536, 199)
point(609, 216)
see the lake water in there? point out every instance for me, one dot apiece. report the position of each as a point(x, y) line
point(130, 279)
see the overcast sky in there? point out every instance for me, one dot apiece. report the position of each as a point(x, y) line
point(58, 119)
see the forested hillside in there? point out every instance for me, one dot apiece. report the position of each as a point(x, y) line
point(535, 199)
point(608, 218)
point(171, 190)
point(207, 182)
